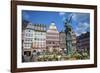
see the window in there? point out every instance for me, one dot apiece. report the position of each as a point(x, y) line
point(26, 34)
point(53, 42)
point(28, 30)
point(34, 38)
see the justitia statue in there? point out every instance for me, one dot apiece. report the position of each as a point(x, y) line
point(68, 30)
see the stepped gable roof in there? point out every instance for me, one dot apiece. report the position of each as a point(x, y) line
point(52, 28)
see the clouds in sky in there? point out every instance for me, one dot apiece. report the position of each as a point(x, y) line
point(82, 28)
point(81, 21)
point(81, 17)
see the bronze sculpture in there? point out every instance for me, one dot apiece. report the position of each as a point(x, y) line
point(68, 29)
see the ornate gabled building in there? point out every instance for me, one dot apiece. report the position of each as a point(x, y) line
point(52, 37)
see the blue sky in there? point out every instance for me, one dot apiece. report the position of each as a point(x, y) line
point(80, 21)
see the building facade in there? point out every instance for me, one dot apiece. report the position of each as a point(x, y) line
point(33, 38)
point(39, 38)
point(27, 39)
point(62, 37)
point(83, 42)
point(52, 37)
point(74, 41)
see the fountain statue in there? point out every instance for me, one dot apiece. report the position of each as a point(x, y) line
point(68, 30)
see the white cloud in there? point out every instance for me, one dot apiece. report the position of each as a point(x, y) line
point(82, 28)
point(62, 13)
point(81, 21)
point(80, 17)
